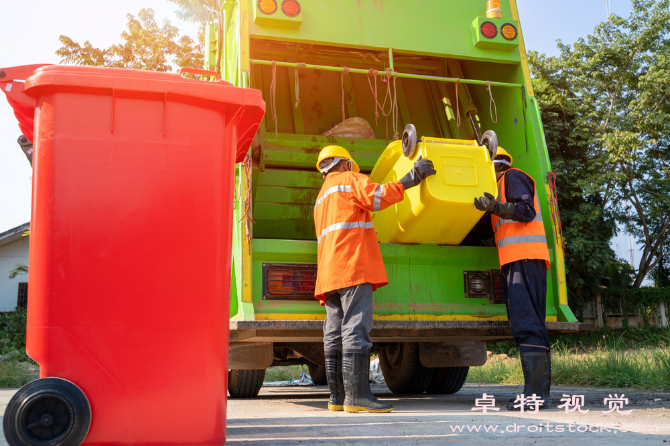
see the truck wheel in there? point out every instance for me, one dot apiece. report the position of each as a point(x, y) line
point(317, 373)
point(402, 370)
point(448, 380)
point(49, 411)
point(245, 383)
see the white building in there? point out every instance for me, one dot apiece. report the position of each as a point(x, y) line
point(13, 251)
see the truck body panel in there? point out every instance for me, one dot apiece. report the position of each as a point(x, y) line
point(306, 70)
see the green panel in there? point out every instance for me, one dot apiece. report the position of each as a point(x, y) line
point(302, 152)
point(431, 27)
point(233, 292)
point(284, 203)
point(423, 279)
point(211, 33)
point(498, 41)
point(276, 17)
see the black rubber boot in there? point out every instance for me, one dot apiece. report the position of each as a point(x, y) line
point(356, 368)
point(537, 379)
point(335, 379)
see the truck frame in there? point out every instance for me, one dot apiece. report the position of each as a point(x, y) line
point(445, 67)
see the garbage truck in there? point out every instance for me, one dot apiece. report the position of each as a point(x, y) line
point(356, 74)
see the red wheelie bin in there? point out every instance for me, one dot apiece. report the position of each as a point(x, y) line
point(130, 254)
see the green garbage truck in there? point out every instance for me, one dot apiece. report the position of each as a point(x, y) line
point(354, 73)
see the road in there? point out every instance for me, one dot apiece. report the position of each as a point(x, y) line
point(298, 415)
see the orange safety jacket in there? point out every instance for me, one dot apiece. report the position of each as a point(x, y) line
point(517, 240)
point(348, 250)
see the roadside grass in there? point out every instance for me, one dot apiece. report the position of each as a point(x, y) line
point(613, 362)
point(284, 373)
point(602, 339)
point(15, 373)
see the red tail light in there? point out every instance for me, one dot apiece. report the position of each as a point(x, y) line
point(289, 281)
point(290, 7)
point(489, 30)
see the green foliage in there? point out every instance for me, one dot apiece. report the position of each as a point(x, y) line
point(15, 373)
point(285, 373)
point(21, 268)
point(146, 46)
point(605, 105)
point(587, 223)
point(633, 358)
point(13, 332)
point(623, 84)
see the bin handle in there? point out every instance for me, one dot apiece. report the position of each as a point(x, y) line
point(199, 71)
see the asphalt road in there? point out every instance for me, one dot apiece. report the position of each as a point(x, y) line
point(298, 415)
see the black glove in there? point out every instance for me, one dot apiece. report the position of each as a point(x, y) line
point(488, 203)
point(422, 169)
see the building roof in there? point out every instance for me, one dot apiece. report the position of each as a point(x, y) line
point(13, 234)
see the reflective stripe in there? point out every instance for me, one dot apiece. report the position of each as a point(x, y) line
point(538, 215)
point(332, 190)
point(516, 239)
point(345, 225)
point(378, 198)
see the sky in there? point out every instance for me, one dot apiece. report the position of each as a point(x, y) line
point(35, 40)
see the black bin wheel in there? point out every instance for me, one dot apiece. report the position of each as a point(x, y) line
point(403, 372)
point(49, 411)
point(448, 380)
point(317, 373)
point(245, 383)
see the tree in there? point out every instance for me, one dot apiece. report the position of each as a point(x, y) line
point(587, 224)
point(20, 269)
point(146, 46)
point(622, 84)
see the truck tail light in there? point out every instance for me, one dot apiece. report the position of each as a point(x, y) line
point(484, 285)
point(267, 6)
point(508, 31)
point(290, 7)
point(289, 281)
point(489, 30)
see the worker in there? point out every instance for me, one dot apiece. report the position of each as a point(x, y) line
point(350, 268)
point(524, 260)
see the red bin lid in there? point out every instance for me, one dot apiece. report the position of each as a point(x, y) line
point(23, 84)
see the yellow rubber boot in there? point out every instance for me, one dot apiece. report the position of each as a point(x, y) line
point(333, 364)
point(358, 397)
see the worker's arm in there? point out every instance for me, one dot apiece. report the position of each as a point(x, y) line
point(520, 191)
point(375, 197)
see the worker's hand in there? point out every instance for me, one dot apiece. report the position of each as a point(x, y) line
point(488, 203)
point(422, 169)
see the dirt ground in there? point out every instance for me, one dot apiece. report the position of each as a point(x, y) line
point(298, 415)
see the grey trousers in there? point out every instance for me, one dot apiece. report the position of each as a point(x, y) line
point(348, 318)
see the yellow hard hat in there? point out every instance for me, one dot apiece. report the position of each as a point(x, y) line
point(503, 152)
point(335, 151)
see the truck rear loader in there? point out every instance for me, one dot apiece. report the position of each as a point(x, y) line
point(355, 74)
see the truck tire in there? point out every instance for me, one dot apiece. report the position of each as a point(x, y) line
point(245, 383)
point(447, 380)
point(402, 370)
point(317, 373)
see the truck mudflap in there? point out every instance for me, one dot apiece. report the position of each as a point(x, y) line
point(392, 331)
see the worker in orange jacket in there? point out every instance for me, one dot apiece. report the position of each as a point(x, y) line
point(516, 220)
point(350, 268)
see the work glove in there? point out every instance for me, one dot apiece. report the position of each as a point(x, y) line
point(422, 169)
point(488, 203)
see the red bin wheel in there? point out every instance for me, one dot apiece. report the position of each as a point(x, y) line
point(49, 411)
